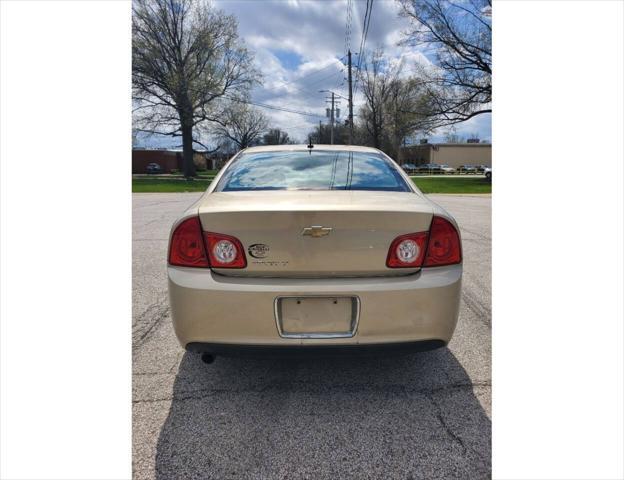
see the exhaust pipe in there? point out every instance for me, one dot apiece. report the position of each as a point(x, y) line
point(207, 358)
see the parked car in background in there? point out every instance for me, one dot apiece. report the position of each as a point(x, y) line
point(409, 167)
point(431, 168)
point(321, 250)
point(488, 173)
point(481, 168)
point(446, 169)
point(467, 169)
point(154, 168)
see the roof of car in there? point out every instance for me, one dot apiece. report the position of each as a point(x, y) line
point(304, 147)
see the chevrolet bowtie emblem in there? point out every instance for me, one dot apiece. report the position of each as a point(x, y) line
point(316, 231)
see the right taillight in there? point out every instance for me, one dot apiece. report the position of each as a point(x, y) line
point(186, 248)
point(407, 251)
point(444, 247)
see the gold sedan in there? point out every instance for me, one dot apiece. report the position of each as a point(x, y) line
point(300, 249)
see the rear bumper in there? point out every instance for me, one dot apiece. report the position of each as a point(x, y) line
point(227, 350)
point(214, 312)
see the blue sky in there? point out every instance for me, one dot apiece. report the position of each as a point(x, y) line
point(299, 46)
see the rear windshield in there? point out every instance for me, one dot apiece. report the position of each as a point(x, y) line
point(316, 170)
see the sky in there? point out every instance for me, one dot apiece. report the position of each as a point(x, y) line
point(300, 45)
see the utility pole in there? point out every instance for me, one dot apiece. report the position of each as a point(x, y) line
point(350, 101)
point(331, 131)
point(320, 139)
point(332, 112)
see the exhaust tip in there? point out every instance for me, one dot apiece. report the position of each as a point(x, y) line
point(207, 358)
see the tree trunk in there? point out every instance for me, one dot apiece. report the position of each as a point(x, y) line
point(187, 148)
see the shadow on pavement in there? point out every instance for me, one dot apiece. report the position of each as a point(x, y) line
point(412, 416)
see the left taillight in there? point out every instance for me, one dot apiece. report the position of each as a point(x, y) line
point(192, 247)
point(186, 248)
point(224, 251)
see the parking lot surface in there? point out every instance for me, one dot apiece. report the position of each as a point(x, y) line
point(422, 416)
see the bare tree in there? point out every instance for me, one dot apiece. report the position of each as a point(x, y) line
point(320, 134)
point(460, 33)
point(185, 56)
point(275, 136)
point(375, 79)
point(451, 136)
point(407, 112)
point(135, 138)
point(395, 108)
point(242, 125)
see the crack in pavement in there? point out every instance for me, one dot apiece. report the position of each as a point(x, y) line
point(439, 412)
point(479, 236)
point(147, 322)
point(287, 387)
point(482, 312)
point(447, 428)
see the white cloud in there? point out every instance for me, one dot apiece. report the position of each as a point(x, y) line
point(313, 34)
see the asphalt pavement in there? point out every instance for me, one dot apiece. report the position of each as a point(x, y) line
point(422, 416)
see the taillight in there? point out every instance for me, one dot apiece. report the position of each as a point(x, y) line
point(186, 248)
point(444, 245)
point(224, 251)
point(407, 251)
point(440, 246)
point(190, 247)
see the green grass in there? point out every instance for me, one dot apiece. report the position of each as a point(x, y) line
point(427, 185)
point(453, 185)
point(168, 185)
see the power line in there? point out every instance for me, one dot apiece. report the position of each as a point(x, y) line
point(365, 27)
point(348, 26)
point(275, 107)
point(315, 72)
point(287, 110)
point(325, 78)
point(364, 24)
point(308, 93)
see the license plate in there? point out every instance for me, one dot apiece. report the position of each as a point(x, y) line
point(316, 317)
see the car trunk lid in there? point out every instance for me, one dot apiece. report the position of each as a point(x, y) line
point(315, 233)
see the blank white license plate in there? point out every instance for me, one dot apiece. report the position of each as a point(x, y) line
point(321, 317)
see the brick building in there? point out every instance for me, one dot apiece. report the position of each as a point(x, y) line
point(170, 159)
